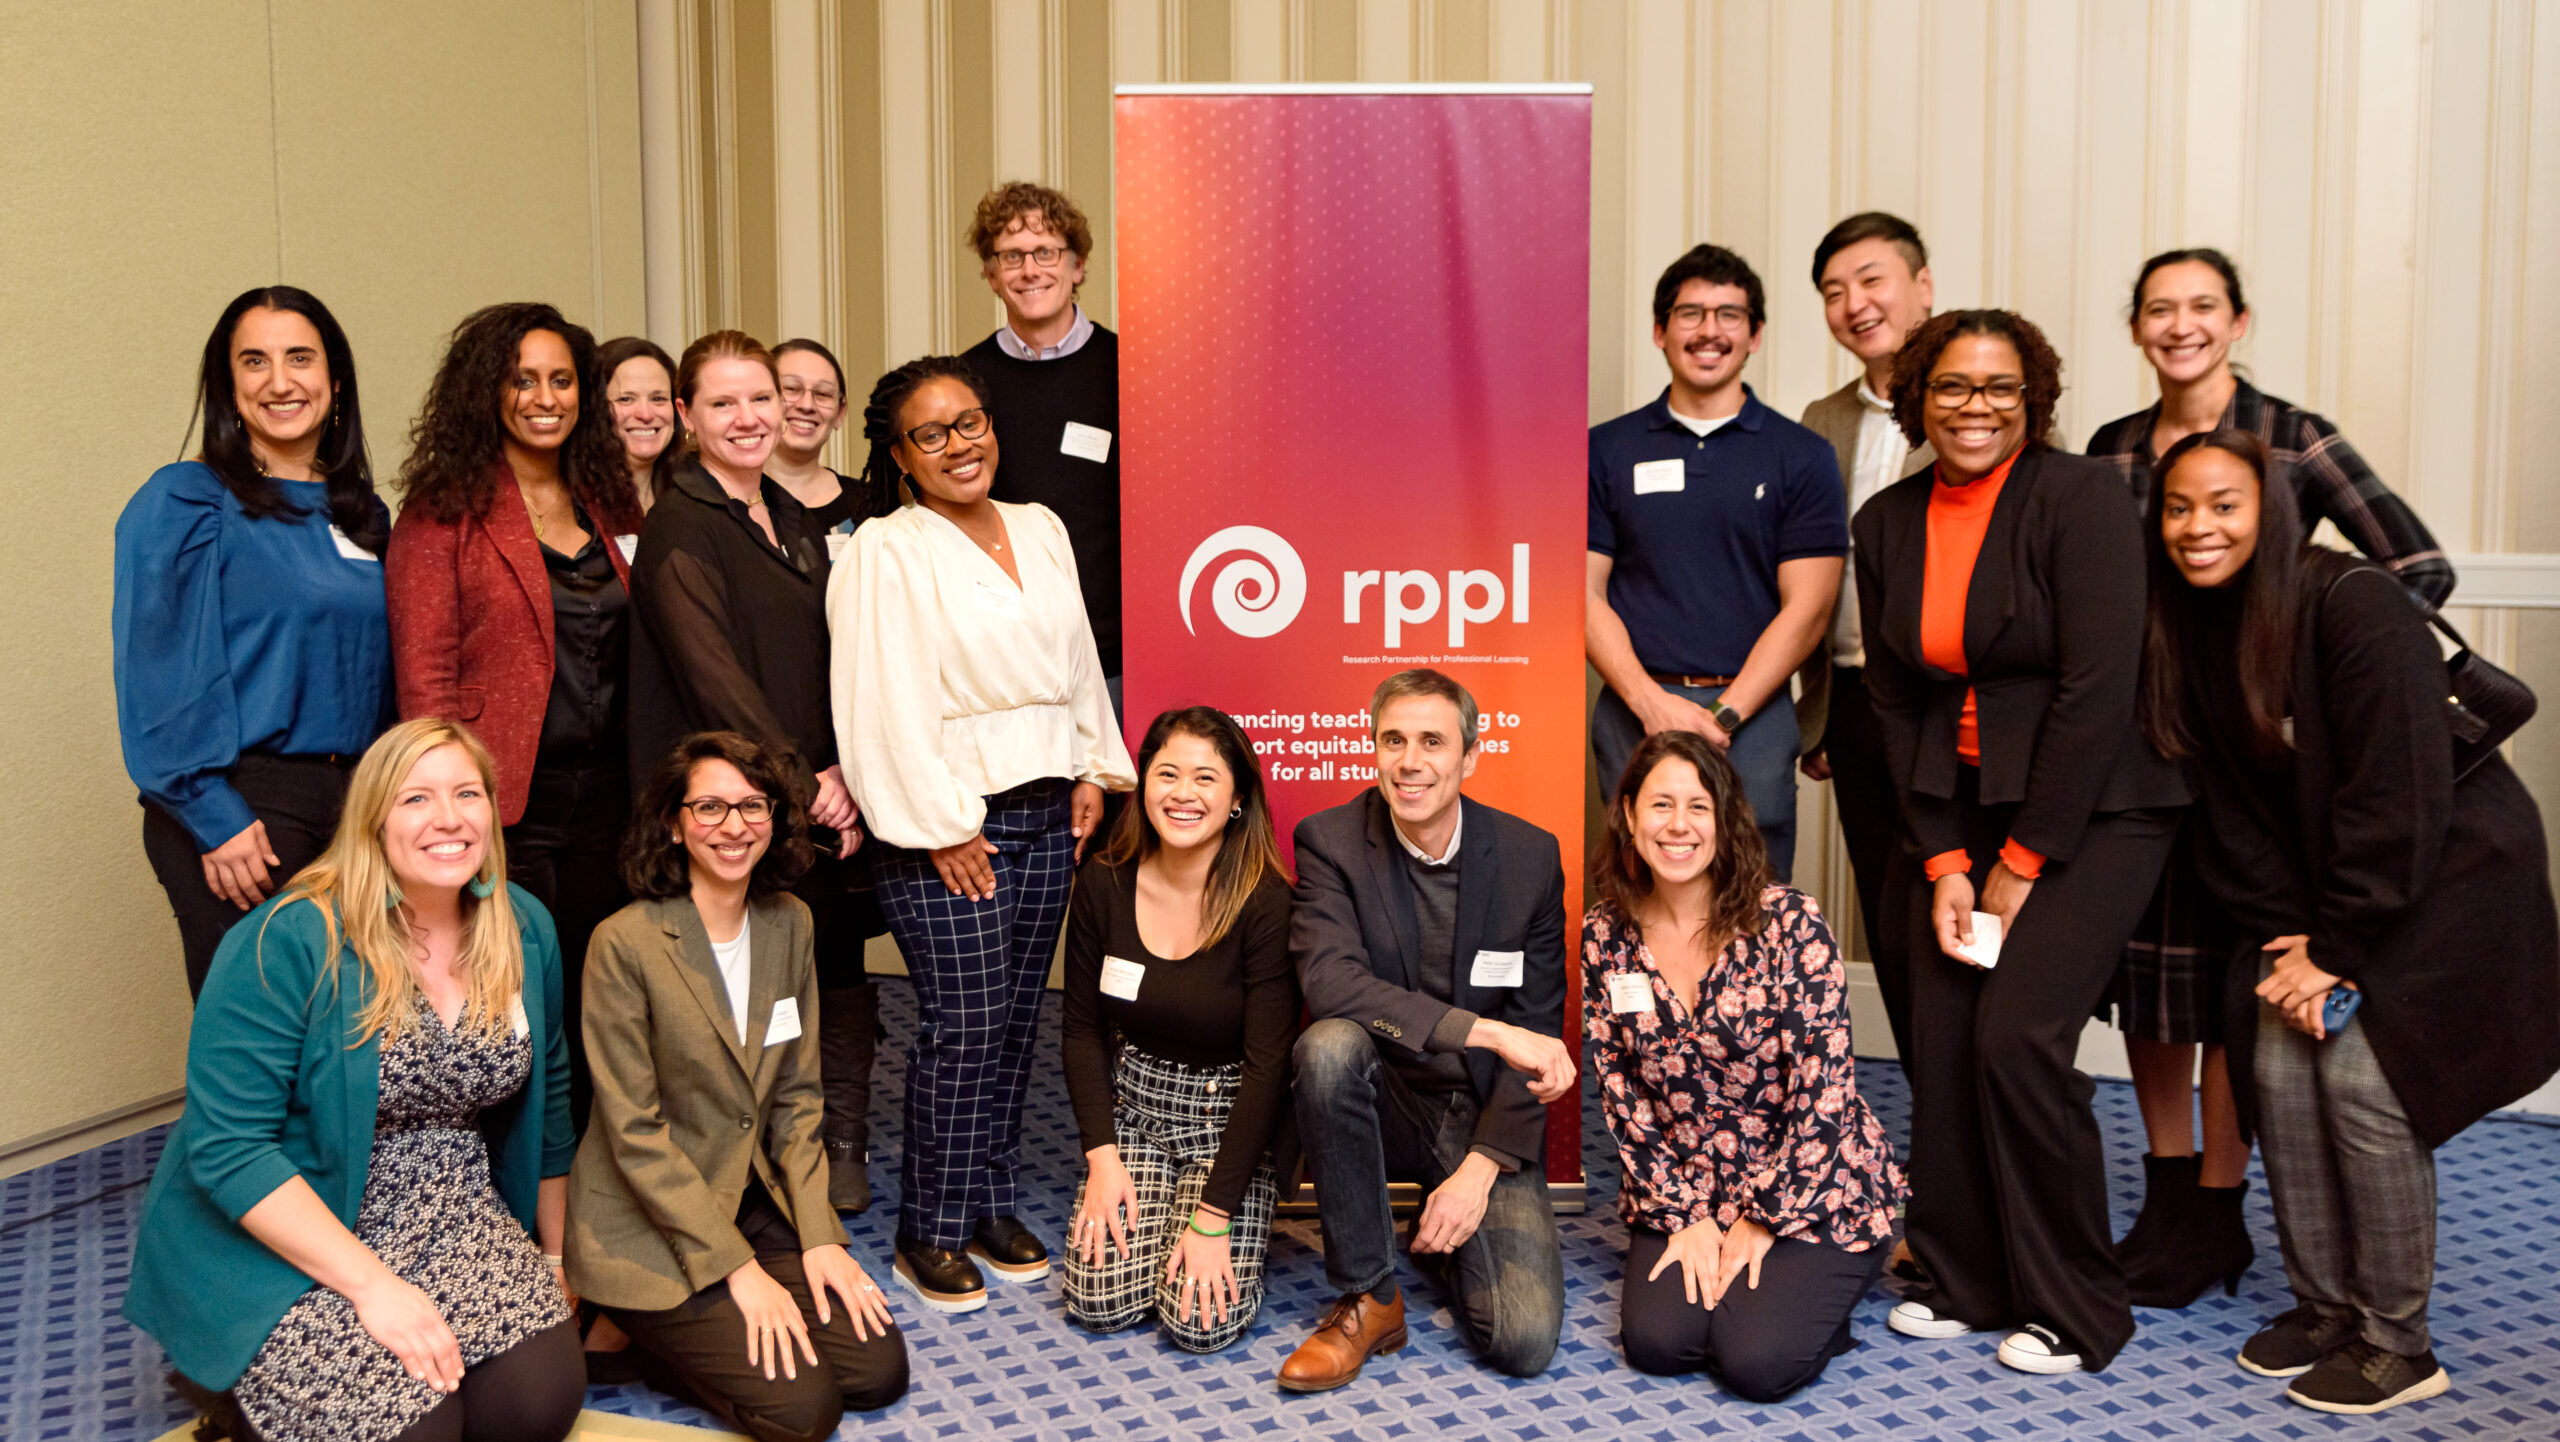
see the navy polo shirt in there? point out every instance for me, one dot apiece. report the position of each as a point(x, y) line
point(1695, 551)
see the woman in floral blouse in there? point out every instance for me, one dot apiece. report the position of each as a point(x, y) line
point(1758, 1190)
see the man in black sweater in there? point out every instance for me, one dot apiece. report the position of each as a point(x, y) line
point(1052, 381)
point(1429, 937)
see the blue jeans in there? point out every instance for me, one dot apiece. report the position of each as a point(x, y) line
point(1362, 1126)
point(1763, 754)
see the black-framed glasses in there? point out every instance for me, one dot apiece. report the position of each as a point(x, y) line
point(709, 812)
point(1954, 393)
point(1727, 317)
point(932, 436)
point(1043, 257)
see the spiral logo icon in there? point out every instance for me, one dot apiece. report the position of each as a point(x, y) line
point(1259, 592)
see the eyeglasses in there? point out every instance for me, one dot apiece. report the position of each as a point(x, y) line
point(1954, 393)
point(1727, 317)
point(825, 395)
point(932, 436)
point(710, 812)
point(1044, 257)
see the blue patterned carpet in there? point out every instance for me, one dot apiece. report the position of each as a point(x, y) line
point(70, 1368)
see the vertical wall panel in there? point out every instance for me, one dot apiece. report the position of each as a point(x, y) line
point(749, 198)
point(858, 255)
point(800, 185)
point(968, 67)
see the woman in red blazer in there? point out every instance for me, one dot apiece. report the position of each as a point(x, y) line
point(509, 578)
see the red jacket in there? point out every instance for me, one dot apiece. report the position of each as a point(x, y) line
point(471, 627)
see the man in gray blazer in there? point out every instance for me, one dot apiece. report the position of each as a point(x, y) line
point(1873, 272)
point(1429, 937)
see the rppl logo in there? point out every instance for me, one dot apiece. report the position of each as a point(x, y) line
point(1261, 591)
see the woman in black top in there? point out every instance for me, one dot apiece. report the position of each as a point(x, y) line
point(1178, 951)
point(729, 594)
point(2333, 827)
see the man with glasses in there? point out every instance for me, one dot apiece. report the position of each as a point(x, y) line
point(1717, 537)
point(1051, 378)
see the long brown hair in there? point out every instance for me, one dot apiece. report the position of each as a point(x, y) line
point(459, 437)
point(655, 864)
point(1736, 875)
point(1247, 852)
point(2270, 600)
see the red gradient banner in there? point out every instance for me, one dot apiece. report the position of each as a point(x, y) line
point(1353, 390)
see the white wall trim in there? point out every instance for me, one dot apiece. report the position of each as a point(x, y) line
point(97, 1131)
point(1522, 88)
point(664, 263)
point(2521, 580)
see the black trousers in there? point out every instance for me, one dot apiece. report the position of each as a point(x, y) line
point(2008, 1171)
point(1763, 1343)
point(696, 1351)
point(567, 850)
point(1881, 858)
point(298, 797)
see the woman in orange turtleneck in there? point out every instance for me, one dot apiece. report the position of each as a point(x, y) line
point(2008, 582)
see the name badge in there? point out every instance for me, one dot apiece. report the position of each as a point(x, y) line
point(350, 549)
point(1630, 992)
point(516, 1020)
point(1498, 968)
point(785, 1025)
point(629, 546)
point(997, 600)
point(1985, 951)
point(1085, 443)
point(1120, 978)
point(1653, 476)
point(837, 542)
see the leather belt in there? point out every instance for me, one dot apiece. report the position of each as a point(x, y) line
point(1674, 678)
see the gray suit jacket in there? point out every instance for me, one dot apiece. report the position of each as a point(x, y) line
point(684, 1116)
point(1835, 418)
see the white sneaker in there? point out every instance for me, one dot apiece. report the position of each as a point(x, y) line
point(2038, 1348)
point(1918, 1319)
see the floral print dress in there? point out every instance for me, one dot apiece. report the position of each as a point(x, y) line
point(433, 1216)
point(1747, 1107)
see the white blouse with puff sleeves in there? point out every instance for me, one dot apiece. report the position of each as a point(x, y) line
point(951, 684)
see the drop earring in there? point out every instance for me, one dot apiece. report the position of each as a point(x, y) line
point(481, 886)
point(392, 899)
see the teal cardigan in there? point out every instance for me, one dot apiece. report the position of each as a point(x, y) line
point(274, 1092)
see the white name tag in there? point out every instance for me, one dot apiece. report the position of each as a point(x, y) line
point(1652, 476)
point(836, 543)
point(1630, 992)
point(1085, 443)
point(629, 546)
point(1121, 978)
point(785, 1025)
point(1498, 968)
point(997, 600)
point(516, 1020)
point(1985, 951)
point(350, 549)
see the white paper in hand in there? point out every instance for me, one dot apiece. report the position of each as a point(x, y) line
point(1985, 950)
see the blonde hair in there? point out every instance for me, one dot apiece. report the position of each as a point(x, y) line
point(359, 899)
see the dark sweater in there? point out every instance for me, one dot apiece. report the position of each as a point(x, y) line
point(1233, 1001)
point(1032, 402)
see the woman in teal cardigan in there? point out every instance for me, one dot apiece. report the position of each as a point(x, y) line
point(336, 1242)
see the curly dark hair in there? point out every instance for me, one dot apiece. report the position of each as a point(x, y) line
point(1015, 201)
point(458, 441)
point(655, 865)
point(1919, 356)
point(1736, 875)
point(881, 476)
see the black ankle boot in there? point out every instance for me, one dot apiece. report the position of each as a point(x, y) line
point(2211, 1245)
point(2168, 1195)
point(848, 1040)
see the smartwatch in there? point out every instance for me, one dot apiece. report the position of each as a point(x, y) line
point(1726, 717)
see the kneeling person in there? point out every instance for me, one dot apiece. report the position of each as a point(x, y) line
point(1428, 934)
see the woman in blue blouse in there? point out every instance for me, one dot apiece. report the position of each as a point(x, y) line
point(252, 647)
point(1758, 1190)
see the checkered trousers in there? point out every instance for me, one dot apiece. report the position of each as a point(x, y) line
point(1169, 1120)
point(978, 968)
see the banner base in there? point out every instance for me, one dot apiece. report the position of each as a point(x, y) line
point(1570, 1199)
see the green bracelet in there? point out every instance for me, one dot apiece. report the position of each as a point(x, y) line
point(1204, 1231)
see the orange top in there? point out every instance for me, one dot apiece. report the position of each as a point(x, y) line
point(1959, 516)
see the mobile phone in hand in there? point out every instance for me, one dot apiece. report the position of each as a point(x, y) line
point(2341, 1005)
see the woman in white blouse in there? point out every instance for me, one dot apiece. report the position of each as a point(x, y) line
point(978, 740)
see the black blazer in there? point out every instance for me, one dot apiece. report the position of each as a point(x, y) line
point(2433, 896)
point(2053, 639)
point(1352, 935)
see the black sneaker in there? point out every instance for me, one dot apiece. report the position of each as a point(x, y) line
point(943, 1279)
point(2360, 1377)
point(2295, 1342)
point(1008, 1248)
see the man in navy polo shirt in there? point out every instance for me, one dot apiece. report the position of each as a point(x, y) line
point(1718, 530)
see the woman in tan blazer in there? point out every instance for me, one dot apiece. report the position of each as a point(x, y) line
point(698, 1204)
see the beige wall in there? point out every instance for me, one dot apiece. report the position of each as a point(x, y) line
point(405, 163)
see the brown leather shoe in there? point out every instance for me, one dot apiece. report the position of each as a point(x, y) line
point(1355, 1328)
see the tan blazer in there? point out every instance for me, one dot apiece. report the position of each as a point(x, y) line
point(683, 1114)
point(1835, 418)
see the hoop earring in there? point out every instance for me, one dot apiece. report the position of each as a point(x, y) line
point(1235, 813)
point(481, 887)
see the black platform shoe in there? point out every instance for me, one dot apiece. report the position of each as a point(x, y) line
point(1005, 1244)
point(945, 1280)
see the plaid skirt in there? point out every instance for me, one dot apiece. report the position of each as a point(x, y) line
point(2168, 986)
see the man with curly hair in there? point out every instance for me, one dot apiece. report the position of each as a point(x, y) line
point(1052, 383)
